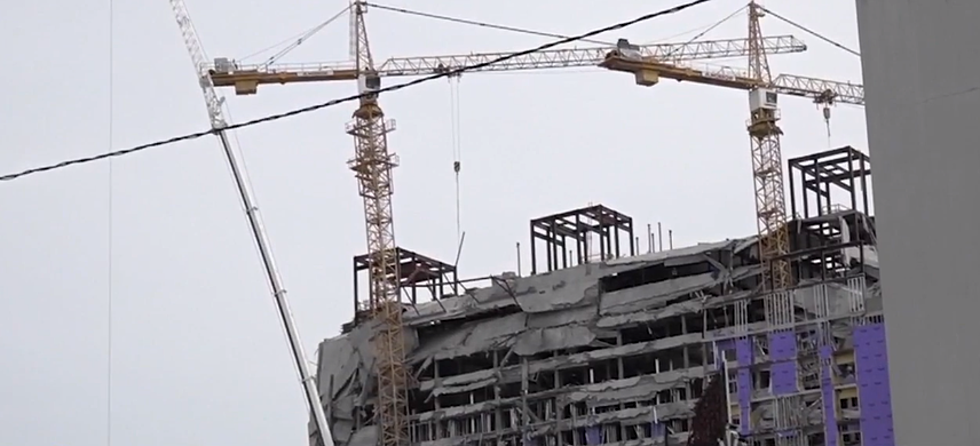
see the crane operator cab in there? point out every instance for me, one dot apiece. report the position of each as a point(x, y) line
point(368, 83)
point(223, 65)
point(628, 50)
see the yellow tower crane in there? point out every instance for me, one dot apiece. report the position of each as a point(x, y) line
point(373, 162)
point(767, 165)
point(372, 165)
point(763, 128)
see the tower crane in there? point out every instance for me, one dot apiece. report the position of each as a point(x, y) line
point(373, 164)
point(218, 124)
point(767, 169)
point(763, 127)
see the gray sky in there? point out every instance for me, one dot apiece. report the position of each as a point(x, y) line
point(198, 354)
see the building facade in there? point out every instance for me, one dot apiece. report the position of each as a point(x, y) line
point(603, 345)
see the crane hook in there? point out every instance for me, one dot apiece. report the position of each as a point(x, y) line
point(826, 99)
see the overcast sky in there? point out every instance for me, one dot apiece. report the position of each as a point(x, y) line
point(198, 355)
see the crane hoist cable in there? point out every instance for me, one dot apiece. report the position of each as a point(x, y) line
point(456, 147)
point(333, 102)
point(826, 120)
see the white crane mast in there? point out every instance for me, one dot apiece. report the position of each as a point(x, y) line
point(218, 124)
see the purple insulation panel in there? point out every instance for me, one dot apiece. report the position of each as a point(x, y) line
point(874, 394)
point(743, 354)
point(782, 352)
point(723, 346)
point(593, 435)
point(829, 397)
point(657, 429)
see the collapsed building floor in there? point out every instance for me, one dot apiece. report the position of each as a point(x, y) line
point(620, 350)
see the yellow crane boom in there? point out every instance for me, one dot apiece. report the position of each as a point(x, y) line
point(766, 154)
point(247, 78)
point(648, 72)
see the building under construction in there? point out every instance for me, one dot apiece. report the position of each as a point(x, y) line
point(602, 344)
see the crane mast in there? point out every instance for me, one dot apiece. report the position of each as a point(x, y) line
point(767, 163)
point(372, 166)
point(770, 205)
point(218, 124)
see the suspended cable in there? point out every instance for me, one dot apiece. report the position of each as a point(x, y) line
point(331, 103)
point(811, 32)
point(703, 28)
point(272, 59)
point(108, 397)
point(710, 28)
point(458, 155)
point(296, 39)
point(454, 135)
point(480, 24)
point(238, 143)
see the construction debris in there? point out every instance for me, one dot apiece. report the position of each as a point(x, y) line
point(617, 351)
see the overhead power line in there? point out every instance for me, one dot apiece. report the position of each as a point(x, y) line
point(331, 103)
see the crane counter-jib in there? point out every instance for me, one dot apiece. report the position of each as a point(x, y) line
point(650, 72)
point(247, 81)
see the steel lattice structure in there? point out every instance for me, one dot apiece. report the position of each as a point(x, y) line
point(372, 166)
point(767, 169)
